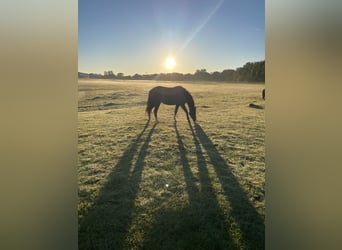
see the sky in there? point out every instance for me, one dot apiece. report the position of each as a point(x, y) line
point(137, 36)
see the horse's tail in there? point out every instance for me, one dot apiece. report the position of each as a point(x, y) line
point(149, 104)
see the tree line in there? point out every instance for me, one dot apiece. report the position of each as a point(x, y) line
point(250, 72)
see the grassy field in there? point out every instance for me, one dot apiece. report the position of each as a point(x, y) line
point(170, 185)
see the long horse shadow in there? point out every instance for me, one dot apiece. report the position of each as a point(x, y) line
point(204, 200)
point(105, 226)
point(201, 224)
point(250, 222)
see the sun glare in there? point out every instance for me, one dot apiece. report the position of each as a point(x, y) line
point(170, 62)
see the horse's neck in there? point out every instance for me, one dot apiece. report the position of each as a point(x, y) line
point(190, 100)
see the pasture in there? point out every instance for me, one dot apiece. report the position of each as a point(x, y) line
point(170, 185)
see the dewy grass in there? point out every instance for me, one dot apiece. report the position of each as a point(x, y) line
point(170, 185)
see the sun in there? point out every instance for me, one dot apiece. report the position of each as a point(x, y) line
point(170, 62)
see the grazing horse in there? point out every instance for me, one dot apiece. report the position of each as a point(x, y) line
point(171, 96)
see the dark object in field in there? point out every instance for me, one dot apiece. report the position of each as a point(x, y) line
point(171, 96)
point(263, 94)
point(252, 105)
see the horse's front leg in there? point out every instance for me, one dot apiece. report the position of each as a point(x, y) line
point(176, 110)
point(186, 112)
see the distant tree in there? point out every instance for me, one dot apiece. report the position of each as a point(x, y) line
point(97, 76)
point(137, 77)
point(82, 75)
point(108, 74)
point(250, 72)
point(188, 77)
point(261, 71)
point(202, 75)
point(228, 75)
point(216, 76)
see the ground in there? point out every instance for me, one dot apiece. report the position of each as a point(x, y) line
point(170, 185)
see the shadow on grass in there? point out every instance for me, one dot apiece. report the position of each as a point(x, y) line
point(201, 224)
point(250, 223)
point(105, 226)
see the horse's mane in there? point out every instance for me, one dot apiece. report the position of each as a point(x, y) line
point(189, 98)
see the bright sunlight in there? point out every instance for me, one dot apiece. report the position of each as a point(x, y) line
point(170, 62)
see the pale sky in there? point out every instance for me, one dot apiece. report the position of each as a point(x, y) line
point(137, 36)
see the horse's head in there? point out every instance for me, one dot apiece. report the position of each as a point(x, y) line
point(192, 113)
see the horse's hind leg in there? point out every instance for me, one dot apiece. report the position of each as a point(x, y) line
point(186, 111)
point(176, 110)
point(148, 111)
point(156, 107)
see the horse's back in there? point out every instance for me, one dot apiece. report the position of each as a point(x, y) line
point(167, 89)
point(168, 95)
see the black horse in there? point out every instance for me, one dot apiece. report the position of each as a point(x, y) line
point(171, 96)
